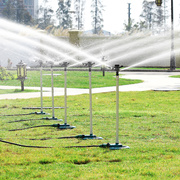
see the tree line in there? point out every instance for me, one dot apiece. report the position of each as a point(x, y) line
point(152, 17)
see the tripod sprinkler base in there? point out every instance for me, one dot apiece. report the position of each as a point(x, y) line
point(53, 118)
point(65, 126)
point(114, 146)
point(91, 136)
point(40, 113)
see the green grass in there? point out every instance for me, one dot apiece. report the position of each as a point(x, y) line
point(8, 91)
point(149, 125)
point(177, 76)
point(74, 79)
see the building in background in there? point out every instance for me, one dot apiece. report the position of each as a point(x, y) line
point(30, 5)
point(2, 5)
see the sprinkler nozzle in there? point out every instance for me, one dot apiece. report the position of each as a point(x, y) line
point(89, 64)
point(64, 64)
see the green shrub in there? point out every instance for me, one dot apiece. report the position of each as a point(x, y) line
point(4, 75)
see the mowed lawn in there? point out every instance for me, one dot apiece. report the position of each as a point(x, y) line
point(149, 125)
point(75, 79)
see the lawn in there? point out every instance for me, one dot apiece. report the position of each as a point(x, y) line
point(74, 79)
point(8, 91)
point(149, 125)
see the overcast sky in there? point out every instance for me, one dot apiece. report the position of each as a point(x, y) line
point(115, 13)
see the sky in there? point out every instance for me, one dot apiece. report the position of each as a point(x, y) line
point(115, 13)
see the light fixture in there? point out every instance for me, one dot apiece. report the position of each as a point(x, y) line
point(158, 2)
point(21, 73)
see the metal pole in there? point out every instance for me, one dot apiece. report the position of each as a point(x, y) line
point(95, 21)
point(172, 60)
point(65, 95)
point(79, 15)
point(22, 85)
point(41, 89)
point(129, 16)
point(52, 89)
point(90, 101)
point(117, 104)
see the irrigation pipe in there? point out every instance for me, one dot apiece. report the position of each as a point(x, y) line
point(54, 125)
point(21, 145)
point(21, 120)
point(18, 114)
point(82, 146)
point(65, 137)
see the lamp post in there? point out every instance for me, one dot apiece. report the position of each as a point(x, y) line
point(158, 2)
point(21, 73)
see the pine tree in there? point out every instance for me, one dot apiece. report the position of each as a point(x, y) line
point(165, 13)
point(97, 23)
point(9, 10)
point(147, 13)
point(63, 14)
point(79, 13)
point(153, 16)
point(15, 10)
point(45, 15)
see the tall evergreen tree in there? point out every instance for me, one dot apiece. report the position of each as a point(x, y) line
point(45, 15)
point(97, 23)
point(147, 13)
point(9, 10)
point(153, 16)
point(63, 14)
point(165, 13)
point(79, 13)
point(15, 10)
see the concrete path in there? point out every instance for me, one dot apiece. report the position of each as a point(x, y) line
point(151, 81)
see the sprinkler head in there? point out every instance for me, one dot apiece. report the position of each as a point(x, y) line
point(89, 64)
point(40, 113)
point(64, 64)
point(117, 67)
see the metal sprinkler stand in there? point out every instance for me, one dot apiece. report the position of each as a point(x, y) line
point(65, 125)
point(91, 136)
point(41, 91)
point(52, 89)
point(116, 146)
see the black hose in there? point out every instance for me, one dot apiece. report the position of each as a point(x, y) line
point(16, 114)
point(66, 137)
point(21, 120)
point(29, 127)
point(82, 146)
point(7, 142)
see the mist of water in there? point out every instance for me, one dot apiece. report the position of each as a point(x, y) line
point(41, 45)
point(137, 49)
